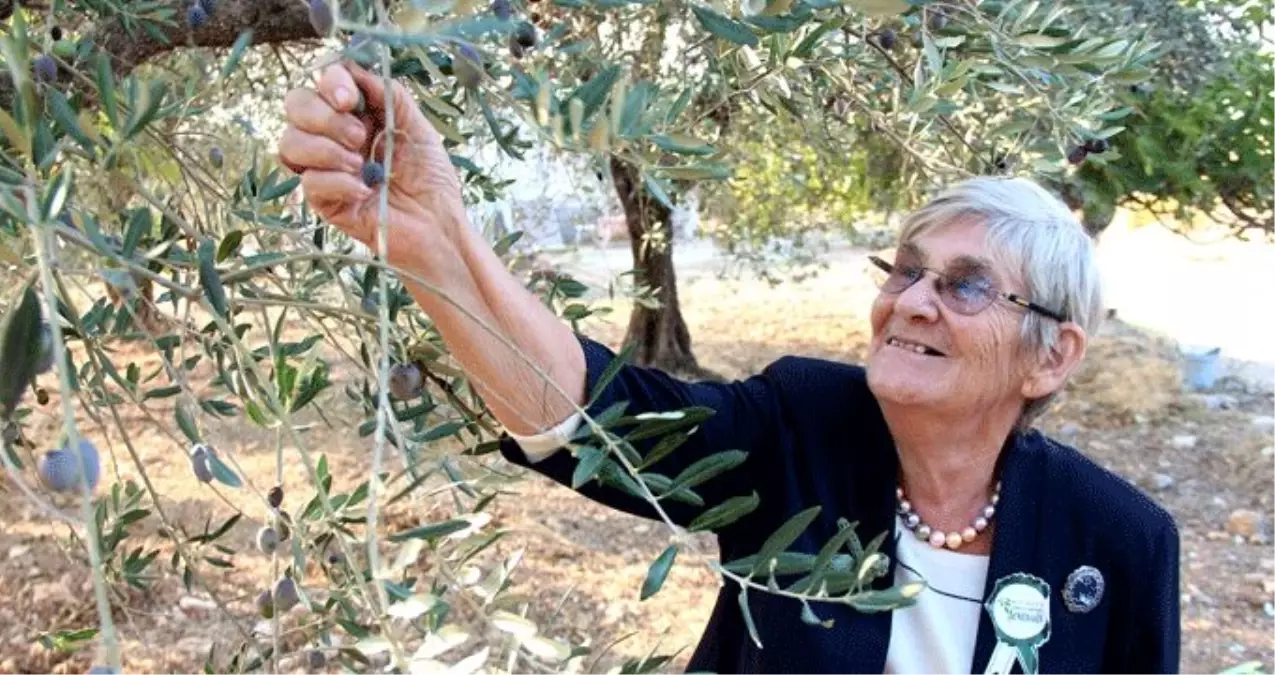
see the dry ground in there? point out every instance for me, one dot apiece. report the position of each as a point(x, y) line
point(584, 565)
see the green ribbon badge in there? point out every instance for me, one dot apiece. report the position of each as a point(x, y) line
point(1019, 607)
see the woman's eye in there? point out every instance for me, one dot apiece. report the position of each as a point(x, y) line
point(971, 287)
point(910, 272)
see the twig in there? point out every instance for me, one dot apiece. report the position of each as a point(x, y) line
point(106, 624)
point(384, 408)
point(95, 355)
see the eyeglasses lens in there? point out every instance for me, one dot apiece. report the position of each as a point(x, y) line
point(966, 292)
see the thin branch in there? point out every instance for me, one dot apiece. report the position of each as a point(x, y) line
point(1247, 221)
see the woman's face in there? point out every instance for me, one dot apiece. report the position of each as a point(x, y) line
point(979, 364)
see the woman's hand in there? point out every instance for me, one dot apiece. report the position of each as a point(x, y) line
point(327, 143)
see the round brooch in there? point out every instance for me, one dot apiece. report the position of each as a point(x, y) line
point(1083, 590)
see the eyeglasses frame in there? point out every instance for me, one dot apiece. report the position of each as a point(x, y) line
point(1013, 298)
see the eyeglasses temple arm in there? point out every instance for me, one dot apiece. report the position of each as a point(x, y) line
point(1023, 302)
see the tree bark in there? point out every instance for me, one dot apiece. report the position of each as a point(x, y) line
point(662, 338)
point(146, 312)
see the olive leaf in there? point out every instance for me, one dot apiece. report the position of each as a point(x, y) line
point(588, 463)
point(210, 280)
point(809, 617)
point(229, 245)
point(662, 486)
point(223, 473)
point(665, 446)
point(658, 572)
point(431, 531)
point(186, 423)
point(724, 27)
point(612, 369)
point(19, 347)
point(661, 423)
point(782, 538)
point(683, 145)
point(886, 600)
point(824, 559)
point(708, 468)
point(725, 513)
point(788, 562)
point(657, 189)
point(236, 53)
point(748, 616)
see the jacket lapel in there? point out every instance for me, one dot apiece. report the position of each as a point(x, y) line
point(1018, 522)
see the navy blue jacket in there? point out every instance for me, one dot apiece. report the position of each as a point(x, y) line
point(815, 435)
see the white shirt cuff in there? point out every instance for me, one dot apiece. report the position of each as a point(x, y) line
point(539, 446)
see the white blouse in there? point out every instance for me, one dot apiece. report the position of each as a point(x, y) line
point(936, 635)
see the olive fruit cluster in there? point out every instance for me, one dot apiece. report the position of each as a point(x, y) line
point(1093, 146)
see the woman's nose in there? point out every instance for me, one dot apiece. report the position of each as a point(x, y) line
point(920, 300)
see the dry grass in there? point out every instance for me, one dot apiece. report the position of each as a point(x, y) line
point(1124, 377)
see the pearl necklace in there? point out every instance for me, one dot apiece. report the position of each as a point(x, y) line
point(952, 540)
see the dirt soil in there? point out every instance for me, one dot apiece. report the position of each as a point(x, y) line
point(1204, 456)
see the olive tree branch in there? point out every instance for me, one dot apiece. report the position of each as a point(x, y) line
point(271, 22)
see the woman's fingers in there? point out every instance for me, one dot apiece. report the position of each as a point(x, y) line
point(335, 194)
point(309, 112)
point(372, 86)
point(298, 148)
point(335, 186)
point(338, 88)
point(406, 115)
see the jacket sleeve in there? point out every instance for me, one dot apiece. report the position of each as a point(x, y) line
point(1157, 643)
point(745, 417)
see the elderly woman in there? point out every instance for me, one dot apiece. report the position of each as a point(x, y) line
point(1035, 559)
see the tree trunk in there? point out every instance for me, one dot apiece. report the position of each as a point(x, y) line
point(145, 312)
point(662, 339)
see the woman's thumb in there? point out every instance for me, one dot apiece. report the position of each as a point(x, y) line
point(373, 87)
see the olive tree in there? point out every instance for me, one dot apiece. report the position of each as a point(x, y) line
point(1197, 139)
point(897, 98)
point(1207, 154)
point(944, 89)
point(141, 205)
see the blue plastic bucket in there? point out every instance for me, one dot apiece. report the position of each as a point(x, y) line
point(1200, 367)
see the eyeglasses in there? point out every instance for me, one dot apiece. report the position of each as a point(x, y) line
point(967, 292)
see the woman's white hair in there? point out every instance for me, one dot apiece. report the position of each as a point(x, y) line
point(1036, 235)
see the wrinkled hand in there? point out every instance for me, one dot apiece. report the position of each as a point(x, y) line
point(327, 143)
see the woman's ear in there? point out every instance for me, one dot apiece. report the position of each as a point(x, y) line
point(1054, 367)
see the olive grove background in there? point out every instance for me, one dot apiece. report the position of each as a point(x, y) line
point(233, 442)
